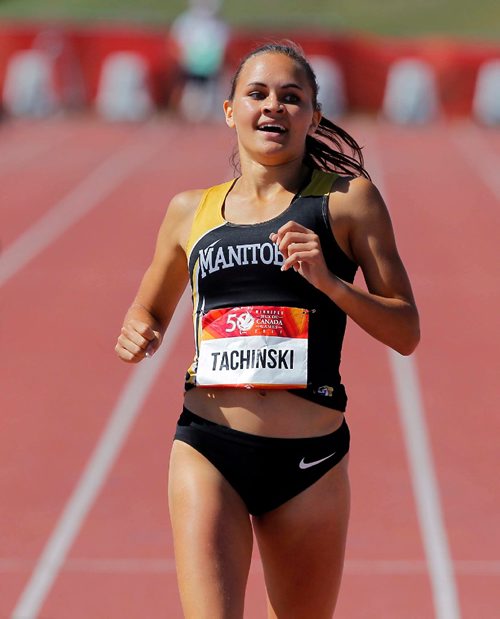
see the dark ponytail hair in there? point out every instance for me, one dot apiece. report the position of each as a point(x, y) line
point(326, 149)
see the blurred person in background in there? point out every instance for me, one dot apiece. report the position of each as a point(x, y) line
point(201, 36)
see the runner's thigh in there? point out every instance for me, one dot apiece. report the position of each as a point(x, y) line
point(302, 545)
point(212, 537)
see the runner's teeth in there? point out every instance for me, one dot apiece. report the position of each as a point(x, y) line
point(273, 128)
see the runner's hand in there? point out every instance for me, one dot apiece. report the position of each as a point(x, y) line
point(302, 251)
point(136, 341)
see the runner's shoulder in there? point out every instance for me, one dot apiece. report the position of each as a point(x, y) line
point(184, 204)
point(356, 198)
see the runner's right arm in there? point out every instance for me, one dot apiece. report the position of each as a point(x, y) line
point(162, 284)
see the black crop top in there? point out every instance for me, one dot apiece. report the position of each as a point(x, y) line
point(234, 265)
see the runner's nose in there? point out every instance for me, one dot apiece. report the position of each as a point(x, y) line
point(272, 104)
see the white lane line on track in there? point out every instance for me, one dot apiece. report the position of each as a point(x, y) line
point(422, 471)
point(76, 204)
point(478, 154)
point(97, 469)
point(15, 156)
point(165, 565)
point(425, 486)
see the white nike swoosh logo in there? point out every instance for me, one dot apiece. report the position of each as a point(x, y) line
point(306, 465)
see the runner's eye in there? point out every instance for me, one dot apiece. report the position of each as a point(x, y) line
point(256, 94)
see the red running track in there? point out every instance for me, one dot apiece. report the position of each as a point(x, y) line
point(85, 439)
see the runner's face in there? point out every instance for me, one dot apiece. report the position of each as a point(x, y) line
point(272, 109)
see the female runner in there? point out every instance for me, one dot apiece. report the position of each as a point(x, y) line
point(261, 445)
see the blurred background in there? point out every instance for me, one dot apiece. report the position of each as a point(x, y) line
point(82, 50)
point(109, 108)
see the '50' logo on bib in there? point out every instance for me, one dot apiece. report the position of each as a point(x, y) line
point(243, 322)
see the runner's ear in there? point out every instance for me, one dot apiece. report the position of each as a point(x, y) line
point(315, 122)
point(228, 112)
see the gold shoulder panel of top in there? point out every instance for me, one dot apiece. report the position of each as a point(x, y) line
point(208, 213)
point(321, 183)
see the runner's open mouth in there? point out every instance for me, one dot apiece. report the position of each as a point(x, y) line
point(272, 128)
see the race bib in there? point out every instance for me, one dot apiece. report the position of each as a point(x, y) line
point(254, 346)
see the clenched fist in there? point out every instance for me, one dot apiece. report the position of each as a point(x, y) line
point(136, 341)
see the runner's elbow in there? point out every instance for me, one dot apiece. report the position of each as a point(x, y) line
point(407, 344)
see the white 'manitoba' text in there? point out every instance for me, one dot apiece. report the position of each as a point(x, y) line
point(213, 259)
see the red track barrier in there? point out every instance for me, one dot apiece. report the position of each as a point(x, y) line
point(364, 60)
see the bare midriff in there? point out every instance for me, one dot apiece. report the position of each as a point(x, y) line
point(272, 412)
